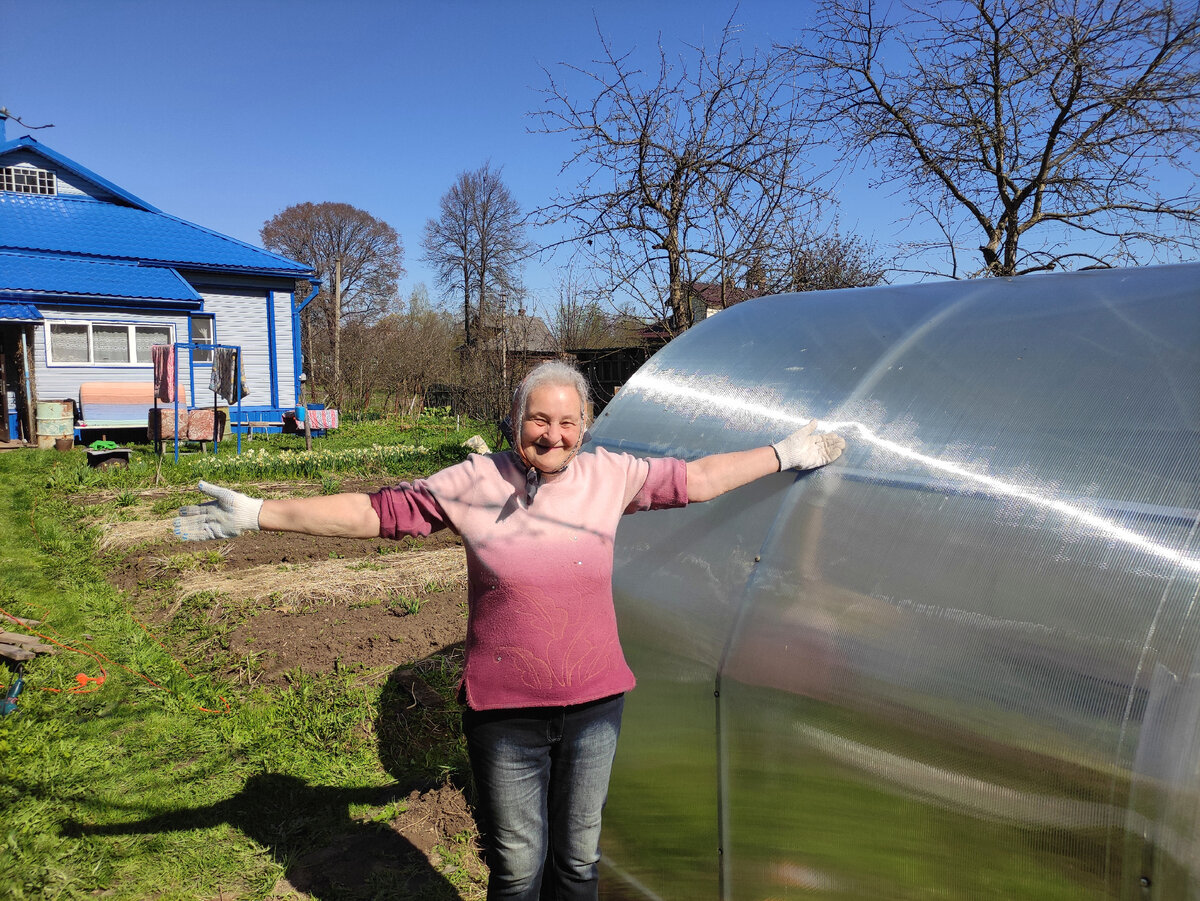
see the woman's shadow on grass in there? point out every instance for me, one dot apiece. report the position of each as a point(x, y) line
point(308, 829)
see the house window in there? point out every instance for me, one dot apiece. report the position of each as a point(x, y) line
point(110, 344)
point(104, 343)
point(70, 343)
point(27, 180)
point(203, 332)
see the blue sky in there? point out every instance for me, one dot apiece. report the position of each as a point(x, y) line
point(225, 113)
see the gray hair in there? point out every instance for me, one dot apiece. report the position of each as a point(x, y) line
point(552, 372)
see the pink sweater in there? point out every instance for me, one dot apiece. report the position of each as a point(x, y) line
point(541, 628)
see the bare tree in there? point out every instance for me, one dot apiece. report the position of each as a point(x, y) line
point(580, 318)
point(812, 260)
point(477, 247)
point(448, 245)
point(685, 173)
point(477, 244)
point(1042, 126)
point(337, 238)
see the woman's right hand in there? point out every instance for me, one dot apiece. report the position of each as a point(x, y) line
point(227, 515)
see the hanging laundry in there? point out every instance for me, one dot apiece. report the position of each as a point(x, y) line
point(322, 419)
point(224, 379)
point(162, 356)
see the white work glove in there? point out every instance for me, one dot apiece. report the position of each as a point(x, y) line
point(804, 450)
point(227, 515)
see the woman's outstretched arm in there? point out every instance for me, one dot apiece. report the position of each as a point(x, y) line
point(337, 515)
point(230, 513)
point(715, 474)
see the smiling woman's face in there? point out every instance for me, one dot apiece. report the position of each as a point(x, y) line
point(551, 428)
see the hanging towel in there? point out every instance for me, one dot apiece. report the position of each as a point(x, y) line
point(224, 379)
point(163, 358)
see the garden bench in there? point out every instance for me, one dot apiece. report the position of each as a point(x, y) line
point(118, 405)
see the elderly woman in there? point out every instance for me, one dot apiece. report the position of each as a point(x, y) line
point(545, 677)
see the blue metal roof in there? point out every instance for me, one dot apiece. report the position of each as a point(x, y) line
point(19, 312)
point(39, 274)
point(91, 228)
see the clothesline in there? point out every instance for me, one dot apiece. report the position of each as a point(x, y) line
point(227, 380)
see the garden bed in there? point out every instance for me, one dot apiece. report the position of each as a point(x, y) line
point(267, 609)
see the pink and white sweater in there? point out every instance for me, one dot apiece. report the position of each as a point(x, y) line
point(541, 628)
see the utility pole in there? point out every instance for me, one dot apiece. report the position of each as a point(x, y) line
point(303, 402)
point(504, 348)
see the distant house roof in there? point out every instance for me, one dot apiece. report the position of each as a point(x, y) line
point(529, 334)
point(713, 297)
point(40, 274)
point(523, 333)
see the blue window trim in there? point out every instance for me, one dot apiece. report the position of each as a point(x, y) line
point(193, 363)
point(212, 338)
point(272, 350)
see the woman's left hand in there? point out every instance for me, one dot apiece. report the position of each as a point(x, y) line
point(805, 450)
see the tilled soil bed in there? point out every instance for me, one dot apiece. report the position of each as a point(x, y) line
point(280, 604)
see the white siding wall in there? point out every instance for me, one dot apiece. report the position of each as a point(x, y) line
point(241, 320)
point(62, 382)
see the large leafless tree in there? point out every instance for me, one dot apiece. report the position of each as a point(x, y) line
point(332, 237)
point(1038, 131)
point(683, 173)
point(477, 245)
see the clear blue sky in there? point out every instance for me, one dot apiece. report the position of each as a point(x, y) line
point(225, 113)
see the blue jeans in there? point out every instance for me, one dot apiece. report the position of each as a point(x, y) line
point(541, 774)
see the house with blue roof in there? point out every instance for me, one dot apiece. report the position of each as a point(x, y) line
point(92, 277)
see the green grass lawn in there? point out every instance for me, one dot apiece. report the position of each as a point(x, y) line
point(157, 782)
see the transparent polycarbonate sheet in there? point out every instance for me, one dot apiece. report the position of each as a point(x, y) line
point(963, 661)
point(676, 615)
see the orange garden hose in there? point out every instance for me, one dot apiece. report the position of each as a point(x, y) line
point(86, 684)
